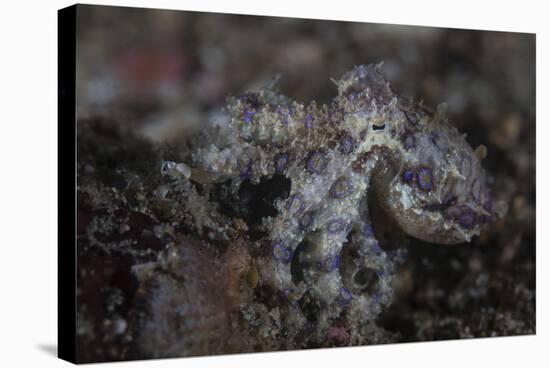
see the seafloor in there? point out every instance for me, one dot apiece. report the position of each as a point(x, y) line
point(151, 82)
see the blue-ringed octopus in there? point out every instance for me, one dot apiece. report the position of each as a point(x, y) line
point(368, 144)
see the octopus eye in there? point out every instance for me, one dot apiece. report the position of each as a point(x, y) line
point(316, 163)
point(376, 127)
point(424, 179)
point(281, 161)
point(341, 188)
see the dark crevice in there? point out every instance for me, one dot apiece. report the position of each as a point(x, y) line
point(348, 255)
point(257, 201)
point(366, 279)
point(252, 202)
point(386, 230)
point(311, 307)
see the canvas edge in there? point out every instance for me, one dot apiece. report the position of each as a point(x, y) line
point(66, 159)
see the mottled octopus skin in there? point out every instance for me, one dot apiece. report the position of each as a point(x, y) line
point(423, 173)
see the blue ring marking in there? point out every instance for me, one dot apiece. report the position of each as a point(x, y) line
point(424, 179)
point(295, 198)
point(280, 252)
point(336, 226)
point(306, 221)
point(316, 162)
point(336, 192)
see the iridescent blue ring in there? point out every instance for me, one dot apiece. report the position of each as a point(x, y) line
point(344, 191)
point(316, 162)
point(306, 220)
point(336, 226)
point(293, 200)
point(424, 179)
point(280, 252)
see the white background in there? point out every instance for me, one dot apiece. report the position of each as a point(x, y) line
point(28, 182)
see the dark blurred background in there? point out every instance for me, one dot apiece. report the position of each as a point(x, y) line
point(165, 75)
